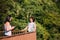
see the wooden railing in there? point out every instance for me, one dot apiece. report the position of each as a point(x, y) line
point(17, 35)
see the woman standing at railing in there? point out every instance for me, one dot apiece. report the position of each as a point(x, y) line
point(31, 27)
point(7, 26)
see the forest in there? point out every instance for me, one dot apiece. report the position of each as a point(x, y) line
point(46, 13)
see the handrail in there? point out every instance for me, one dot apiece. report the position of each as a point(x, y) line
point(14, 32)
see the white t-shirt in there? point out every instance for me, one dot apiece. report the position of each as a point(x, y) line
point(7, 33)
point(31, 27)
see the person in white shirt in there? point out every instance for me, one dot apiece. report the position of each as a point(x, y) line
point(31, 27)
point(7, 26)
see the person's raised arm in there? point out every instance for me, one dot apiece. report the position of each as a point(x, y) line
point(24, 29)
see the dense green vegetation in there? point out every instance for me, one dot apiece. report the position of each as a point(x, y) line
point(46, 13)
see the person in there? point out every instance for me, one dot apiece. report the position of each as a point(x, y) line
point(7, 26)
point(31, 27)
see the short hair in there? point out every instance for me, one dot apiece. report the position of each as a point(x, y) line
point(7, 19)
point(33, 19)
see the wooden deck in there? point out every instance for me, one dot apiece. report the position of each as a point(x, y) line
point(20, 36)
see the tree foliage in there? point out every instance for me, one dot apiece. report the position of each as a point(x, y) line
point(46, 13)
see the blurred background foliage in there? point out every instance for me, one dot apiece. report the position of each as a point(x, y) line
point(46, 13)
